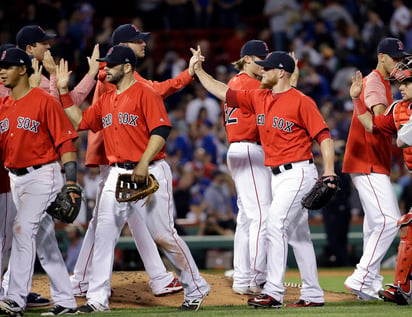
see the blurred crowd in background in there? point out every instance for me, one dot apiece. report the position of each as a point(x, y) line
point(331, 39)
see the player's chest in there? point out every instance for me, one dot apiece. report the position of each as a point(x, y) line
point(15, 119)
point(274, 118)
point(122, 114)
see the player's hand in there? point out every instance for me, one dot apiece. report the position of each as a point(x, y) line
point(48, 63)
point(35, 78)
point(356, 87)
point(140, 172)
point(295, 75)
point(93, 63)
point(63, 76)
point(196, 60)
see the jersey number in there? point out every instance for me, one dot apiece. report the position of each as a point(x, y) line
point(229, 117)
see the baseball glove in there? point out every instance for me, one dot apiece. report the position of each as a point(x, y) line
point(127, 190)
point(321, 193)
point(63, 208)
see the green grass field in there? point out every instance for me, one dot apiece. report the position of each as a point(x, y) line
point(330, 280)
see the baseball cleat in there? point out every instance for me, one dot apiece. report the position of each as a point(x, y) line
point(173, 287)
point(194, 304)
point(90, 308)
point(388, 295)
point(11, 308)
point(35, 300)
point(305, 303)
point(364, 293)
point(58, 310)
point(264, 301)
point(245, 290)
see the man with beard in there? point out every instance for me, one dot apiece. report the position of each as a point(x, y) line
point(288, 122)
point(135, 127)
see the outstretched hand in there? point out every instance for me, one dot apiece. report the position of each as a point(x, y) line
point(196, 60)
point(356, 87)
point(35, 78)
point(63, 76)
point(93, 63)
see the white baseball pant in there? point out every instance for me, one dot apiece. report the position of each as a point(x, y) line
point(252, 180)
point(287, 223)
point(381, 209)
point(32, 193)
point(160, 222)
point(7, 214)
point(159, 277)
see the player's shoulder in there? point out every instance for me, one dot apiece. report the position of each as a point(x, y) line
point(145, 89)
point(243, 81)
point(392, 107)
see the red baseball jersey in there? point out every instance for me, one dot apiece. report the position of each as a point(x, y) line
point(288, 122)
point(367, 152)
point(96, 154)
point(241, 126)
point(32, 128)
point(126, 120)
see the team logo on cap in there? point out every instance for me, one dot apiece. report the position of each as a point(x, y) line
point(110, 51)
point(266, 46)
point(40, 28)
point(3, 55)
point(400, 45)
point(135, 27)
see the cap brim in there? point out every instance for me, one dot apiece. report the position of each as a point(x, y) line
point(262, 63)
point(400, 55)
point(47, 37)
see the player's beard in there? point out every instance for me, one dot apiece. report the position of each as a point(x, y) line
point(267, 83)
point(114, 78)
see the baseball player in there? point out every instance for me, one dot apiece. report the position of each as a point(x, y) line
point(288, 122)
point(395, 119)
point(132, 117)
point(245, 159)
point(39, 47)
point(36, 42)
point(161, 281)
point(35, 133)
point(368, 160)
point(33, 299)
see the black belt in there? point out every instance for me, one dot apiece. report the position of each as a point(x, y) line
point(25, 170)
point(129, 165)
point(288, 166)
point(241, 141)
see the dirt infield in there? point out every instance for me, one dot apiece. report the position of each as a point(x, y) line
point(131, 289)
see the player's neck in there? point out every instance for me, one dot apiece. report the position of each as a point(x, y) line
point(281, 86)
point(20, 90)
point(124, 84)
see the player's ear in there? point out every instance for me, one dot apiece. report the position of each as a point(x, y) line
point(128, 68)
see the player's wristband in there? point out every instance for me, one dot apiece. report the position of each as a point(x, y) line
point(359, 106)
point(70, 169)
point(66, 100)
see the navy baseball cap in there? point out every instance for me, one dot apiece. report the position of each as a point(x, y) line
point(256, 48)
point(128, 33)
point(31, 34)
point(5, 47)
point(278, 59)
point(120, 54)
point(392, 47)
point(16, 57)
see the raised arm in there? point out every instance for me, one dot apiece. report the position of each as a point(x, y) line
point(212, 85)
point(364, 116)
point(72, 111)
